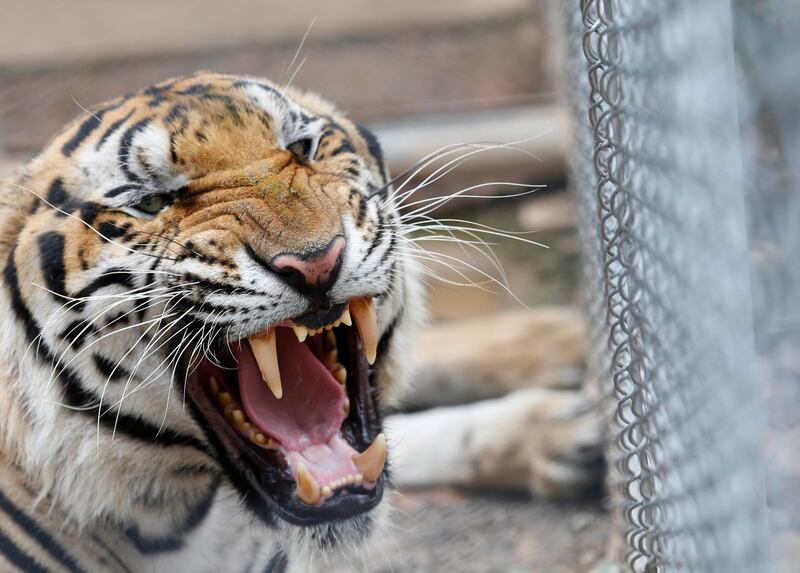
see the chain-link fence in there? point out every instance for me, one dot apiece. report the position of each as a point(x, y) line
point(664, 204)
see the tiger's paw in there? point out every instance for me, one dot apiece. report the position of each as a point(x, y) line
point(564, 446)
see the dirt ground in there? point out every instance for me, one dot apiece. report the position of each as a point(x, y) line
point(448, 530)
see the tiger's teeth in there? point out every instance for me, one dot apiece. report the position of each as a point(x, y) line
point(330, 338)
point(327, 491)
point(366, 321)
point(214, 384)
point(346, 318)
point(300, 331)
point(265, 351)
point(339, 372)
point(224, 399)
point(308, 489)
point(332, 358)
point(371, 461)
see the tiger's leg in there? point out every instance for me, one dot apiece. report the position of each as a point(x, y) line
point(489, 356)
point(545, 441)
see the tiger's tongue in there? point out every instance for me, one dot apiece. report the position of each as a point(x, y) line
point(311, 410)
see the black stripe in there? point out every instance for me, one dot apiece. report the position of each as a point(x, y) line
point(374, 148)
point(19, 558)
point(108, 278)
point(177, 539)
point(111, 370)
point(265, 87)
point(381, 226)
point(277, 564)
point(111, 129)
point(362, 207)
point(77, 332)
point(388, 334)
point(110, 230)
point(89, 211)
point(85, 130)
point(82, 400)
point(122, 189)
point(57, 195)
point(389, 249)
point(26, 523)
point(125, 147)
point(51, 258)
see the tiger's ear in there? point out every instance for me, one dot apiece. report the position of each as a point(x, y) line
point(374, 148)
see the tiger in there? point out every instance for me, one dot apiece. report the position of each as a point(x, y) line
point(208, 310)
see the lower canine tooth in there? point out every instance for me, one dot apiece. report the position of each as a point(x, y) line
point(308, 489)
point(370, 462)
point(266, 353)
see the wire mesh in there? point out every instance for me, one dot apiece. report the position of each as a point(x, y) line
point(658, 178)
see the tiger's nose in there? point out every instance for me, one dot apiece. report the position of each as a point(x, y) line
point(311, 272)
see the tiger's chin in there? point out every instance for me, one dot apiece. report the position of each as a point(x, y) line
point(291, 413)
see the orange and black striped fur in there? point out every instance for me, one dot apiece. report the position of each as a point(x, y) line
point(141, 233)
point(144, 235)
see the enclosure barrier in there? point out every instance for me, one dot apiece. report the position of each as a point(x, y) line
point(657, 171)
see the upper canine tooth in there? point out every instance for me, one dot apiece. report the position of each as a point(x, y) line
point(345, 318)
point(300, 331)
point(307, 487)
point(367, 324)
point(266, 353)
point(371, 461)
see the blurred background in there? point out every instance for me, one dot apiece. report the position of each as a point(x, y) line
point(428, 74)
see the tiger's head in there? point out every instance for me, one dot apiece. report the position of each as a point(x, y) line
point(205, 284)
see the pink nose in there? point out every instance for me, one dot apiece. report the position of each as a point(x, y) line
point(314, 272)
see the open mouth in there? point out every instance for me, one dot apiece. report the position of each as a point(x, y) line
point(292, 411)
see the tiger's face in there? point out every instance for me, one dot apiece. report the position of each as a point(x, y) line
point(209, 271)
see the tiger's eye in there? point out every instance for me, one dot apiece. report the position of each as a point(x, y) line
point(151, 204)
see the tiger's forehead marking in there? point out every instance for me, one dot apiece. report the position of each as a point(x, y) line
point(185, 129)
point(216, 145)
